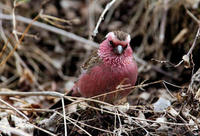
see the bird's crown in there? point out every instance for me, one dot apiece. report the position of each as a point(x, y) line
point(120, 35)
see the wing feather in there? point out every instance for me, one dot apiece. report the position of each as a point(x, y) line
point(92, 61)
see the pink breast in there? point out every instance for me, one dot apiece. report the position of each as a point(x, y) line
point(102, 79)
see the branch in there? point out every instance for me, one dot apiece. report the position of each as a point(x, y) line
point(19, 112)
point(50, 28)
point(194, 42)
point(64, 113)
point(108, 6)
point(191, 49)
point(5, 92)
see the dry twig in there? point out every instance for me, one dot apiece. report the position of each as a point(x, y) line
point(108, 6)
point(65, 123)
point(20, 41)
point(195, 39)
point(15, 109)
point(51, 28)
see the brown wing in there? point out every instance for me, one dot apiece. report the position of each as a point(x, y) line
point(92, 60)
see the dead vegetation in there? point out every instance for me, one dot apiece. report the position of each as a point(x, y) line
point(43, 44)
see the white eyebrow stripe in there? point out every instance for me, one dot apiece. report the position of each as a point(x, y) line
point(128, 38)
point(111, 34)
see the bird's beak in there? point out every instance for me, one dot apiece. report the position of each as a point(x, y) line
point(118, 50)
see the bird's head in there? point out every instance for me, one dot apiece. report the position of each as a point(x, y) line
point(118, 41)
point(115, 46)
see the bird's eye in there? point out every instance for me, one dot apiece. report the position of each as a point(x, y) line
point(111, 43)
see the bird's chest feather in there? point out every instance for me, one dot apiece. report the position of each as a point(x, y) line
point(113, 75)
point(103, 78)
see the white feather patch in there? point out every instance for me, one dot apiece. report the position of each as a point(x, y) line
point(128, 38)
point(110, 34)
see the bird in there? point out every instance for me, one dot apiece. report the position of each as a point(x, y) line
point(108, 66)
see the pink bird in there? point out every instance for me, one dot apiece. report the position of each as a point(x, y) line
point(110, 65)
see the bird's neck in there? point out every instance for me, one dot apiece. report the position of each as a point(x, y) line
point(114, 60)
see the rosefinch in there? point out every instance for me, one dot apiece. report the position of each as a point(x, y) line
point(110, 65)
